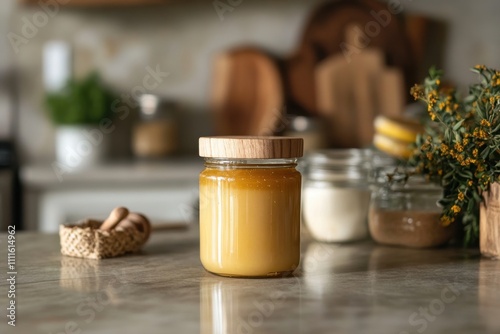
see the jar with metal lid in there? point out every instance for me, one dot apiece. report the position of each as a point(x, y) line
point(405, 210)
point(250, 205)
point(336, 194)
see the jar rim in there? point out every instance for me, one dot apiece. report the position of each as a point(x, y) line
point(402, 180)
point(250, 163)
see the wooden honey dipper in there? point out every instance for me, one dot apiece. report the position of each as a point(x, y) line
point(120, 219)
point(115, 217)
point(138, 221)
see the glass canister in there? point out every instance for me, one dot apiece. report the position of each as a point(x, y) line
point(250, 205)
point(405, 210)
point(336, 194)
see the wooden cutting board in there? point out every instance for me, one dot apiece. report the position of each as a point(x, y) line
point(351, 95)
point(323, 36)
point(247, 93)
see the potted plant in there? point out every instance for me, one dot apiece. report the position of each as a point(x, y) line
point(79, 111)
point(460, 149)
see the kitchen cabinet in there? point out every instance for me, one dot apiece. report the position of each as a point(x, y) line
point(166, 192)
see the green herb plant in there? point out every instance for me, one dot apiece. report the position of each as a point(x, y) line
point(80, 102)
point(460, 148)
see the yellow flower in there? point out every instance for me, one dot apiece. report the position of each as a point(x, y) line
point(480, 133)
point(444, 148)
point(495, 79)
point(459, 147)
point(475, 152)
point(480, 67)
point(431, 113)
point(417, 92)
point(445, 220)
point(468, 161)
point(485, 123)
point(461, 196)
point(485, 179)
point(470, 183)
point(456, 209)
point(432, 98)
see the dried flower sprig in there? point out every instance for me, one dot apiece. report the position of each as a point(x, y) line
point(460, 148)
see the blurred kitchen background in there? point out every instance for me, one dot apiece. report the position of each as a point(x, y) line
point(162, 73)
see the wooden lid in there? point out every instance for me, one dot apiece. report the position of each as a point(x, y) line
point(248, 147)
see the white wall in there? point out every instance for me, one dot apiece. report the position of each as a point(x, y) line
point(182, 38)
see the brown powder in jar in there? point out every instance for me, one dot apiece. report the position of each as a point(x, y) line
point(408, 228)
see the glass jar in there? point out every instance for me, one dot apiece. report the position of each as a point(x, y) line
point(155, 135)
point(311, 129)
point(250, 205)
point(405, 210)
point(336, 194)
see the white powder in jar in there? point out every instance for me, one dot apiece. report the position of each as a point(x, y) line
point(335, 214)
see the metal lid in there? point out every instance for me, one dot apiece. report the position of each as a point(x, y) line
point(249, 147)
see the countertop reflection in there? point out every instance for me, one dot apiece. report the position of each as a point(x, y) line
point(339, 288)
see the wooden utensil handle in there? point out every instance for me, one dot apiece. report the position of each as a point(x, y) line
point(114, 218)
point(141, 223)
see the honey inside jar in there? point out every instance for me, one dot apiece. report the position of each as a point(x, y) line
point(250, 221)
point(250, 217)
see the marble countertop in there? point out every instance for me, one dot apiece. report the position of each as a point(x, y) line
point(350, 288)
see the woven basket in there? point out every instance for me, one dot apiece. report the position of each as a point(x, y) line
point(85, 240)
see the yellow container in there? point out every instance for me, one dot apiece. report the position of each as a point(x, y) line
point(250, 206)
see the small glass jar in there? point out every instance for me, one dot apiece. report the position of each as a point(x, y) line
point(337, 195)
point(250, 205)
point(405, 210)
point(155, 135)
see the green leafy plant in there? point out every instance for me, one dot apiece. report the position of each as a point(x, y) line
point(82, 102)
point(460, 148)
